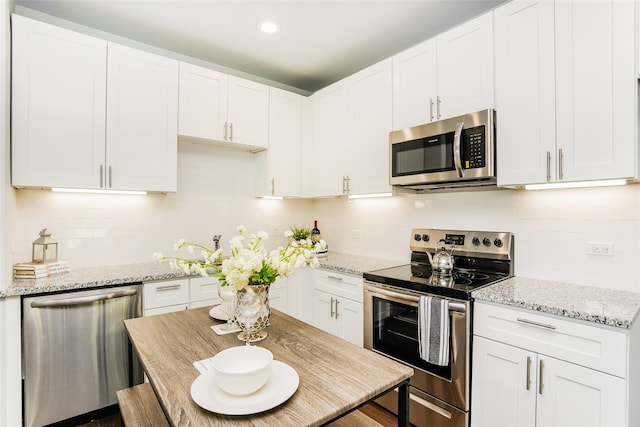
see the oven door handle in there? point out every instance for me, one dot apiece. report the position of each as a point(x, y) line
point(453, 306)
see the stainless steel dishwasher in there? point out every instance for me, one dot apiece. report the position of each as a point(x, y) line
point(76, 352)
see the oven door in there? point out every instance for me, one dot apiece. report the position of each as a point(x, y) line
point(391, 328)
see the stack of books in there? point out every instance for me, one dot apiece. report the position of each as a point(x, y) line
point(37, 270)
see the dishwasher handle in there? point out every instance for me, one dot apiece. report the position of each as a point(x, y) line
point(49, 303)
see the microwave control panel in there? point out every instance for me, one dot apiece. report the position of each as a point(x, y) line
point(473, 147)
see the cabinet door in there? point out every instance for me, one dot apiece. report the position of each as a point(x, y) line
point(300, 295)
point(58, 106)
point(415, 86)
point(248, 118)
point(573, 396)
point(332, 139)
point(349, 315)
point(525, 92)
point(202, 102)
point(503, 393)
point(142, 120)
point(465, 67)
point(279, 167)
point(324, 314)
point(596, 89)
point(368, 167)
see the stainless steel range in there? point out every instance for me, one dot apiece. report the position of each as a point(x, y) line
point(446, 265)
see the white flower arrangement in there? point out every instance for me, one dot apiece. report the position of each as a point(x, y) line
point(248, 264)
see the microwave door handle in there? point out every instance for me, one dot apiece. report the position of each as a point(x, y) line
point(457, 155)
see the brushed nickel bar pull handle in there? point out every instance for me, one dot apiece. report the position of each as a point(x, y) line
point(101, 176)
point(231, 132)
point(548, 166)
point(331, 307)
point(431, 109)
point(541, 385)
point(110, 177)
point(560, 159)
point(273, 186)
point(528, 373)
point(531, 322)
point(337, 301)
point(225, 130)
point(167, 287)
point(438, 109)
point(339, 279)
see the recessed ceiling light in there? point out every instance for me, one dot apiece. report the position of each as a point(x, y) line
point(269, 27)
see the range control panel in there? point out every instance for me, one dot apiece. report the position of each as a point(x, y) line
point(488, 244)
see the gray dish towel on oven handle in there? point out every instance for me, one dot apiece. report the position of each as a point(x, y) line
point(433, 330)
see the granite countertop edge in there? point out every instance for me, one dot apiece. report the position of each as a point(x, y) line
point(113, 275)
point(610, 307)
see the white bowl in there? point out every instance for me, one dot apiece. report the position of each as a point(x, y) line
point(242, 370)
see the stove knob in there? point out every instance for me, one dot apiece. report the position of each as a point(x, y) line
point(486, 241)
point(417, 237)
point(498, 242)
point(425, 237)
point(475, 241)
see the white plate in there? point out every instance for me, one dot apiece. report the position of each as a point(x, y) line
point(218, 313)
point(280, 386)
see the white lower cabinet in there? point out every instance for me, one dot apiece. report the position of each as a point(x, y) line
point(278, 294)
point(525, 373)
point(203, 292)
point(337, 305)
point(165, 296)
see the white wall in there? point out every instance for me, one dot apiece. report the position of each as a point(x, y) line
point(215, 194)
point(551, 228)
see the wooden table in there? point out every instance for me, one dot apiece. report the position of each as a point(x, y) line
point(336, 377)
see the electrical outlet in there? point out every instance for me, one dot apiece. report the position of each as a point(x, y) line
point(356, 234)
point(276, 230)
point(600, 248)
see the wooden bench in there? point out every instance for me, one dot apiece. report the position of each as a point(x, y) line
point(139, 407)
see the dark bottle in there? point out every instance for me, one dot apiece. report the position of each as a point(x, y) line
point(315, 232)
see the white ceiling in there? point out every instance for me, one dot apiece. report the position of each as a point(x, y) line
point(321, 41)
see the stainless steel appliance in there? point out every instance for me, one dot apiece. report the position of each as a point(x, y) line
point(76, 353)
point(452, 153)
point(440, 395)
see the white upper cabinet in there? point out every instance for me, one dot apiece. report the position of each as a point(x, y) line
point(142, 112)
point(203, 102)
point(217, 107)
point(566, 91)
point(465, 68)
point(58, 106)
point(371, 92)
point(447, 76)
point(352, 121)
point(525, 91)
point(278, 169)
point(83, 118)
point(331, 139)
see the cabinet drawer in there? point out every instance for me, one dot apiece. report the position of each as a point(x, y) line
point(343, 285)
point(203, 288)
point(165, 293)
point(573, 341)
point(164, 310)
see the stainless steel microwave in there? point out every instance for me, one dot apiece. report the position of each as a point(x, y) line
point(452, 153)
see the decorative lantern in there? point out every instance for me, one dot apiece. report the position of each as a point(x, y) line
point(45, 249)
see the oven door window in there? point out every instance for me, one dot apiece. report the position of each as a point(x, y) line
point(424, 155)
point(395, 334)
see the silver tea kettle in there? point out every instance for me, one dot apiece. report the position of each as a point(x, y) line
point(442, 262)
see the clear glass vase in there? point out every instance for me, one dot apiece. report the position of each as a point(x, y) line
point(252, 312)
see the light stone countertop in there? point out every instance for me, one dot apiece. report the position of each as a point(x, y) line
point(102, 276)
point(599, 305)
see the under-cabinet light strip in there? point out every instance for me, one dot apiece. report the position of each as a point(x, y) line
point(583, 184)
point(369, 196)
point(82, 190)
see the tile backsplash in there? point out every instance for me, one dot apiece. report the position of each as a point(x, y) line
point(215, 194)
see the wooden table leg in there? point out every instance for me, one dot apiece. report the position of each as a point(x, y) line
point(403, 404)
